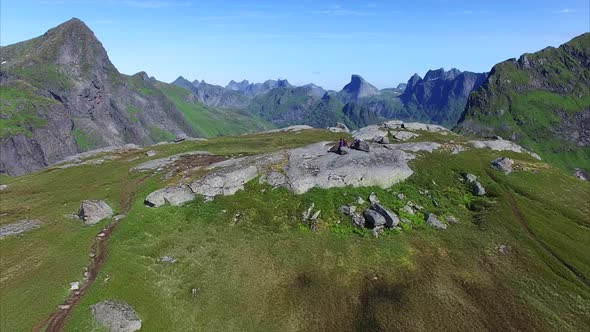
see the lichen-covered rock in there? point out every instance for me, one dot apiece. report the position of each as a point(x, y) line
point(93, 211)
point(117, 316)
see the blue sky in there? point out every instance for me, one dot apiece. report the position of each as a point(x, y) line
point(305, 41)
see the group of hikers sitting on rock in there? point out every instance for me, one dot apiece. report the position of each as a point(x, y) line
point(356, 145)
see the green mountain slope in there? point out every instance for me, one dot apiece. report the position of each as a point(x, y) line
point(541, 100)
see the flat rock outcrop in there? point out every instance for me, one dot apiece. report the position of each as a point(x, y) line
point(19, 227)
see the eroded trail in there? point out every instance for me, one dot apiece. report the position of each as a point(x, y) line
point(524, 223)
point(99, 251)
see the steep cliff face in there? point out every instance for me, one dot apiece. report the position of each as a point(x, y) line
point(541, 100)
point(441, 96)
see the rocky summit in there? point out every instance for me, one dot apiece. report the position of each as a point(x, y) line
point(457, 201)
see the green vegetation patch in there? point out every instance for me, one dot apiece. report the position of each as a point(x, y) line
point(133, 112)
point(84, 140)
point(161, 135)
point(19, 109)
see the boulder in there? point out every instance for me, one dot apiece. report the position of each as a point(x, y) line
point(224, 182)
point(180, 138)
point(391, 219)
point(3, 186)
point(503, 164)
point(167, 259)
point(478, 189)
point(93, 211)
point(307, 213)
point(150, 153)
point(174, 196)
point(373, 218)
point(342, 126)
point(19, 227)
point(116, 316)
point(433, 221)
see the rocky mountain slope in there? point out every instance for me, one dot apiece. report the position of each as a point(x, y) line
point(541, 100)
point(272, 231)
point(60, 95)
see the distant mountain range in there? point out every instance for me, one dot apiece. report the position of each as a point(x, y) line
point(61, 95)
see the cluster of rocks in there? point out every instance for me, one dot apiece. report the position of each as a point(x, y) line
point(377, 217)
point(310, 217)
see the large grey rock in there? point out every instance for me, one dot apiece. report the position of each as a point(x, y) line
point(93, 211)
point(174, 196)
point(373, 198)
point(312, 166)
point(224, 182)
point(347, 209)
point(503, 164)
point(433, 221)
point(369, 132)
point(116, 316)
point(391, 219)
point(373, 218)
point(393, 124)
point(3, 186)
point(19, 227)
point(470, 178)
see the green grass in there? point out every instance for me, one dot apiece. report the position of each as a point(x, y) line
point(20, 107)
point(270, 272)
